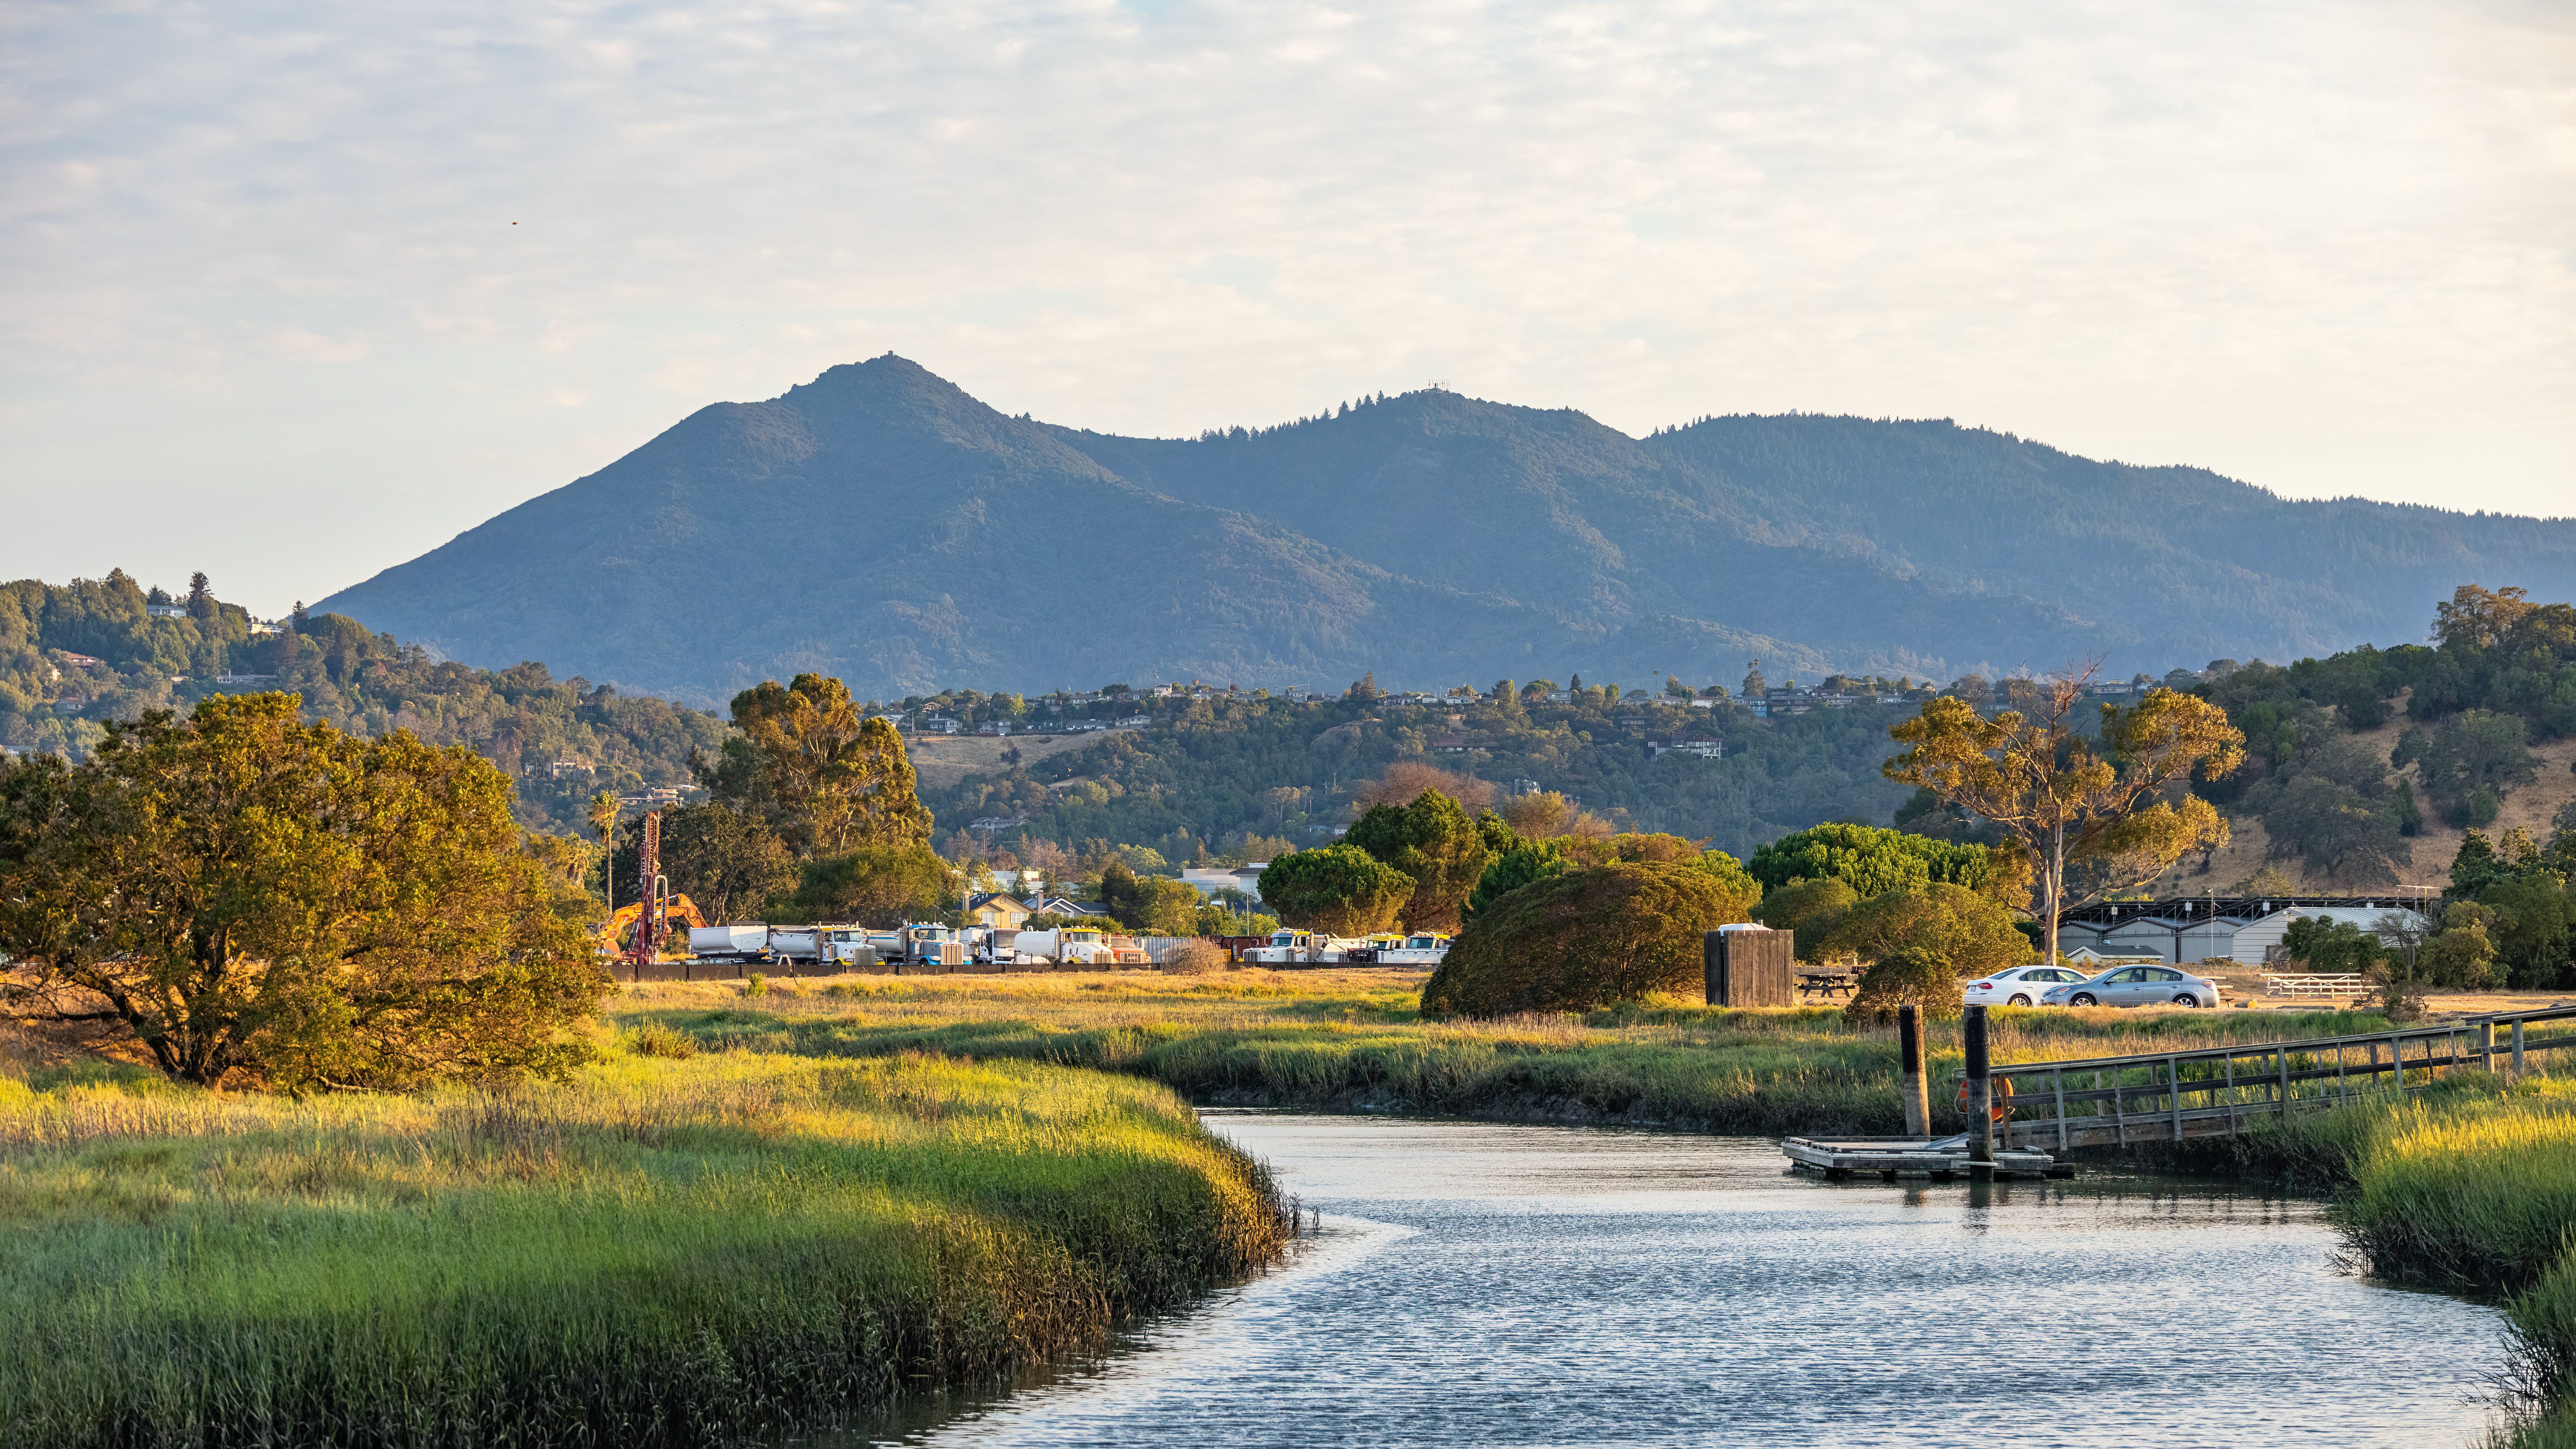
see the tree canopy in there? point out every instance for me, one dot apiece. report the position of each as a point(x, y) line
point(1340, 889)
point(2099, 804)
point(875, 885)
point(1435, 844)
point(253, 896)
point(1873, 861)
point(826, 779)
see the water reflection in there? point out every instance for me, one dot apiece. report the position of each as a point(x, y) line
point(1488, 1284)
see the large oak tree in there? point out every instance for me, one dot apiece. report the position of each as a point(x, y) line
point(253, 896)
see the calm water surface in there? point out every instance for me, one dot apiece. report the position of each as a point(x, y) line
point(1486, 1284)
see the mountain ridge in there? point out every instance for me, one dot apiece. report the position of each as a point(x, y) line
point(881, 524)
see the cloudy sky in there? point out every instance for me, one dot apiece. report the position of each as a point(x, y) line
point(293, 292)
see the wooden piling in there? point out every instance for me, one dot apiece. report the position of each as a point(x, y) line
point(1981, 1099)
point(1918, 1099)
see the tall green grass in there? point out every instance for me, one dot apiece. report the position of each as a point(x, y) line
point(2469, 1184)
point(664, 1251)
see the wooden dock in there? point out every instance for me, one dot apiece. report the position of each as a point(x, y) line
point(1940, 1159)
point(2173, 1096)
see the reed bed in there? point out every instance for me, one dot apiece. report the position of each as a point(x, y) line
point(2466, 1184)
point(1356, 1038)
point(667, 1250)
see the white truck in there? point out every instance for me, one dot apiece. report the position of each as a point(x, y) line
point(1291, 947)
point(1080, 946)
point(820, 945)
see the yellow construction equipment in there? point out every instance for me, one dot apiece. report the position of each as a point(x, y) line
point(621, 923)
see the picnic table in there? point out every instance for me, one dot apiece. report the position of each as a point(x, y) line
point(2321, 983)
point(1828, 983)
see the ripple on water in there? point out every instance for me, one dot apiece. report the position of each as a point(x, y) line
point(1489, 1284)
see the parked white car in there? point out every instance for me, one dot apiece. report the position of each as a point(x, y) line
point(2137, 986)
point(2018, 986)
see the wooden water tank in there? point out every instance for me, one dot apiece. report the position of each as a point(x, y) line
point(1749, 966)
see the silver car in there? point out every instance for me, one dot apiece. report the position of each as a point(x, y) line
point(2136, 986)
point(2018, 986)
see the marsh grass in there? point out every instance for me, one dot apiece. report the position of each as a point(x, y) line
point(662, 1251)
point(1356, 1039)
point(2468, 1184)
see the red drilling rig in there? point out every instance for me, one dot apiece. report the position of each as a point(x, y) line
point(653, 893)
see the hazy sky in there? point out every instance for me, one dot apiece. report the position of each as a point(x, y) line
point(292, 292)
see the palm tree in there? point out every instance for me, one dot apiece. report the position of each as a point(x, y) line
point(603, 818)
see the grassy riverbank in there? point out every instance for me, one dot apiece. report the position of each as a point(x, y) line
point(2466, 1185)
point(1355, 1039)
point(663, 1251)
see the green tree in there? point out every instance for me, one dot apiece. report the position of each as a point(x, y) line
point(826, 779)
point(1909, 975)
point(1874, 861)
point(1514, 867)
point(729, 864)
point(1971, 932)
point(2098, 803)
point(2336, 831)
point(2462, 955)
point(2532, 928)
point(1813, 909)
point(252, 896)
point(1341, 890)
point(1153, 905)
point(2476, 867)
point(1433, 841)
point(2332, 947)
point(882, 886)
point(2475, 759)
point(1589, 937)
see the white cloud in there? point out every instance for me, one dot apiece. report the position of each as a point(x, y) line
point(2322, 246)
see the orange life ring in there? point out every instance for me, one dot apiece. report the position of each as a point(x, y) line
point(1999, 1092)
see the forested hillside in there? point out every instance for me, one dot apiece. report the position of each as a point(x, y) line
point(1242, 776)
point(2368, 768)
point(52, 696)
point(881, 526)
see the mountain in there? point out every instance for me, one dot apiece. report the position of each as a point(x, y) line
point(880, 524)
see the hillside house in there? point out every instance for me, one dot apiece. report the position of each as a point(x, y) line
point(999, 911)
point(1706, 747)
point(166, 611)
point(994, 728)
point(939, 725)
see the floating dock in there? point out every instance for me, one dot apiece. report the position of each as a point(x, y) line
point(1940, 1158)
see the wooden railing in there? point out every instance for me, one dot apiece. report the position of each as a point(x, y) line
point(2170, 1096)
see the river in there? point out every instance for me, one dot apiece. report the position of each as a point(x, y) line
point(1484, 1284)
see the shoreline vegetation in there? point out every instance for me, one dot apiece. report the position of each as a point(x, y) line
point(2466, 1185)
point(1357, 1040)
point(672, 1247)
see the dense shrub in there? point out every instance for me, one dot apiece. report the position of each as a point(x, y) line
point(1974, 934)
point(1195, 958)
point(1912, 974)
point(1814, 909)
point(1586, 938)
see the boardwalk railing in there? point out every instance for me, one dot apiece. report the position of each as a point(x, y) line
point(2169, 1096)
